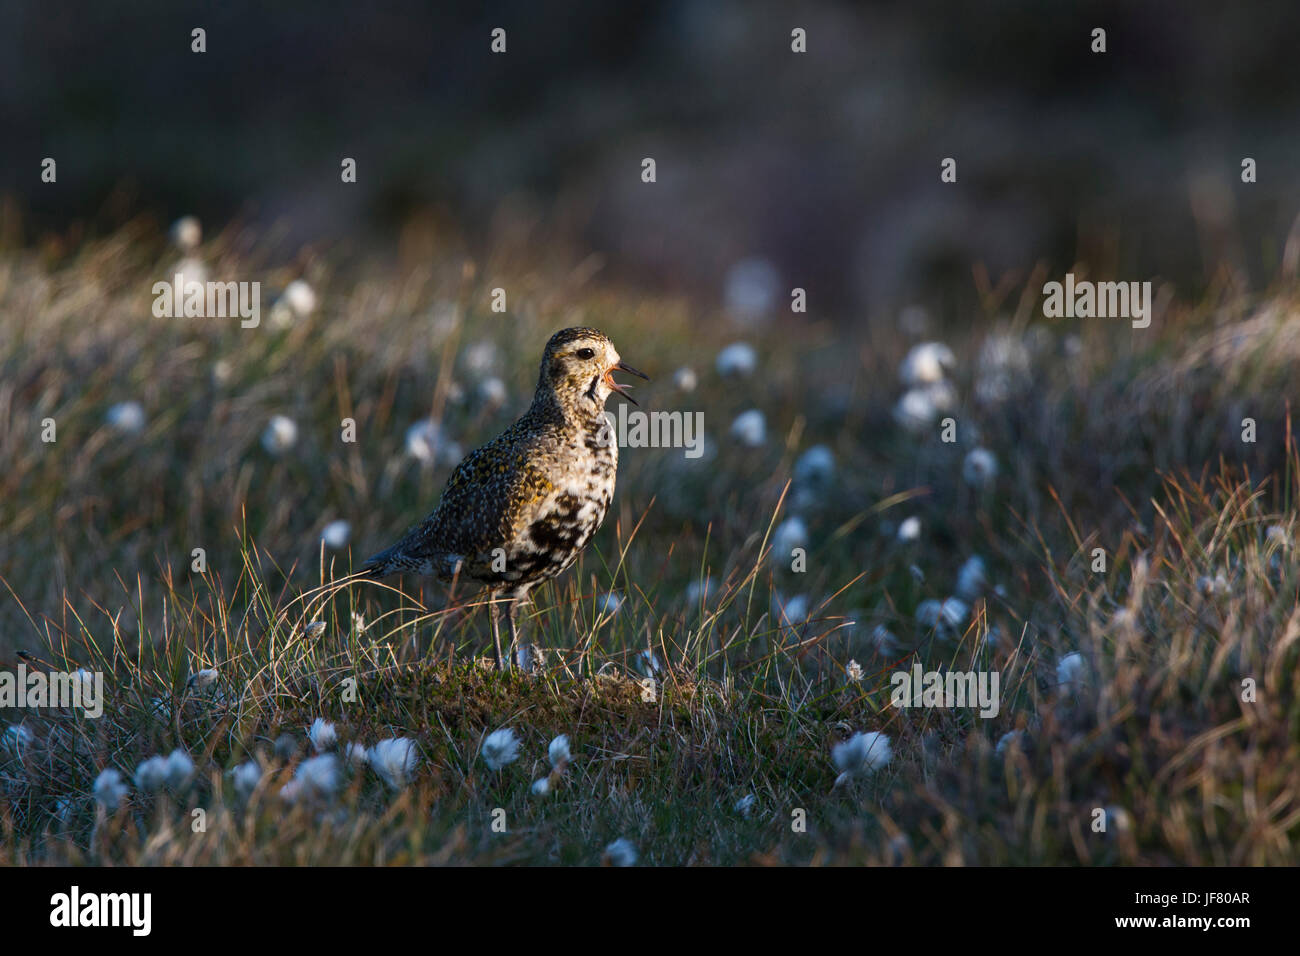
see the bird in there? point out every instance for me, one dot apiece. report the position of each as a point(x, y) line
point(518, 511)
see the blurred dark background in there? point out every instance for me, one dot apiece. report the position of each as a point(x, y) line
point(819, 170)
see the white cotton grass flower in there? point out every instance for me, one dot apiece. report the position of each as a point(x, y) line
point(558, 753)
point(860, 755)
point(481, 358)
point(898, 848)
point(187, 233)
point(621, 852)
point(281, 317)
point(1120, 820)
point(426, 443)
point(648, 663)
point(336, 535)
point(738, 358)
point(300, 298)
point(1071, 671)
point(793, 610)
point(492, 391)
point(685, 379)
point(919, 408)
point(942, 396)
point(609, 603)
point(853, 672)
point(926, 364)
point(815, 467)
point(356, 755)
point(245, 778)
point(1012, 738)
point(280, 434)
point(745, 805)
point(954, 612)
point(422, 440)
point(17, 738)
point(395, 760)
point(558, 756)
point(445, 317)
point(750, 428)
point(1004, 366)
point(915, 410)
point(190, 269)
point(63, 810)
point(223, 370)
point(286, 746)
point(910, 529)
point(980, 469)
point(126, 417)
point(884, 641)
point(751, 289)
point(929, 613)
point(322, 735)
point(1211, 587)
point(314, 630)
point(699, 591)
point(297, 301)
point(179, 770)
point(946, 618)
point(317, 778)
point(203, 678)
point(501, 747)
point(1278, 536)
point(789, 534)
point(110, 789)
point(972, 579)
point(151, 774)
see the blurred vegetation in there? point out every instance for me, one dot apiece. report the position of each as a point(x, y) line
point(704, 682)
point(824, 164)
point(1104, 437)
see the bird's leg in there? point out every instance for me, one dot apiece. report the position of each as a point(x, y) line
point(494, 611)
point(523, 649)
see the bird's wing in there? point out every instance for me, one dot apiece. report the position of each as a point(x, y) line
point(485, 505)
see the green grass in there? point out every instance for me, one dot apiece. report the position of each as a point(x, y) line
point(1118, 439)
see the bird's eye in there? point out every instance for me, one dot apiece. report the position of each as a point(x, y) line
point(586, 353)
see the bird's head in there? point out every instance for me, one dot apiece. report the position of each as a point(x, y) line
point(578, 369)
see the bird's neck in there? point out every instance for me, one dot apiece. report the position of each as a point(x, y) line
point(579, 413)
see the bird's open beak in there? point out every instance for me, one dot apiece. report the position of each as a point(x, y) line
point(622, 389)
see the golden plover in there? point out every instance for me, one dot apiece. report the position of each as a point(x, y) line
point(519, 510)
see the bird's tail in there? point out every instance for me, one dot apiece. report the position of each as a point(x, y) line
point(377, 565)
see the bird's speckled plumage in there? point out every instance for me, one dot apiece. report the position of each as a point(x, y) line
point(520, 509)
